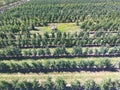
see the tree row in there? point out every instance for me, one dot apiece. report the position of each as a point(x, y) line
point(15, 52)
point(58, 39)
point(60, 65)
point(59, 84)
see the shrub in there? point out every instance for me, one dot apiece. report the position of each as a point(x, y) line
point(60, 84)
point(47, 85)
point(110, 85)
point(91, 85)
point(76, 86)
point(5, 85)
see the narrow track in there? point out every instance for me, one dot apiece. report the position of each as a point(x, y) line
point(3, 8)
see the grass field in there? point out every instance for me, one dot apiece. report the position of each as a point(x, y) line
point(67, 76)
point(63, 27)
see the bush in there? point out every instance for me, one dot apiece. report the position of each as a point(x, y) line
point(47, 85)
point(82, 64)
point(77, 50)
point(76, 86)
point(41, 52)
point(60, 84)
point(91, 85)
point(61, 65)
point(5, 85)
point(105, 64)
point(110, 85)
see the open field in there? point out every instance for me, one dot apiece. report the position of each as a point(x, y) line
point(62, 27)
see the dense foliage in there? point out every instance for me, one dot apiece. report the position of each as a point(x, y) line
point(6, 2)
point(92, 14)
point(99, 24)
point(54, 39)
point(76, 51)
point(61, 65)
point(59, 84)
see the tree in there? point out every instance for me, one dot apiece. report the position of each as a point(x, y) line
point(109, 85)
point(47, 51)
point(41, 52)
point(24, 85)
point(5, 85)
point(77, 23)
point(85, 51)
point(90, 51)
point(91, 85)
point(76, 86)
point(105, 64)
point(12, 51)
point(47, 85)
point(60, 84)
point(96, 52)
point(34, 52)
point(82, 64)
point(35, 85)
point(77, 50)
point(103, 50)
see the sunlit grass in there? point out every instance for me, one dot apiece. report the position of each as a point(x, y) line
point(63, 27)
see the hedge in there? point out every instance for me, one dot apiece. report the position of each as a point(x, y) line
point(59, 84)
point(77, 51)
point(61, 65)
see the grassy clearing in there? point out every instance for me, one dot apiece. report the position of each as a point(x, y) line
point(63, 27)
point(67, 76)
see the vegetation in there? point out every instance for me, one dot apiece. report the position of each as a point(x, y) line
point(60, 29)
point(59, 84)
point(48, 66)
point(6, 2)
point(90, 14)
point(54, 39)
point(77, 51)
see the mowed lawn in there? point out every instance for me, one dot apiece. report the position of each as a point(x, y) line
point(67, 76)
point(63, 27)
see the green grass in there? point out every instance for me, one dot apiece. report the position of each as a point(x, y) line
point(63, 27)
point(67, 76)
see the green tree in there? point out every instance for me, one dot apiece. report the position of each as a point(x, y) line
point(47, 51)
point(76, 86)
point(41, 52)
point(91, 85)
point(47, 85)
point(109, 85)
point(60, 84)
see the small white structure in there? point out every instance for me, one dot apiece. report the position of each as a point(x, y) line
point(54, 28)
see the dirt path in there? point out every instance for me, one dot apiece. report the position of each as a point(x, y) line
point(12, 5)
